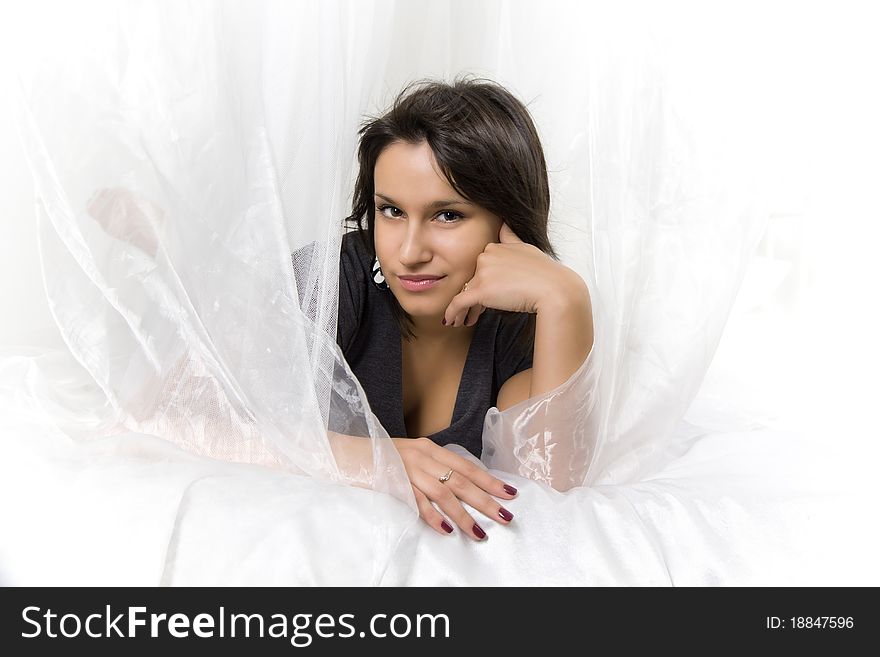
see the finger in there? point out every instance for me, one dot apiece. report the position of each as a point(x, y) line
point(459, 306)
point(474, 314)
point(470, 482)
point(430, 515)
point(463, 483)
point(476, 473)
point(467, 491)
point(452, 310)
point(460, 317)
point(506, 235)
point(445, 498)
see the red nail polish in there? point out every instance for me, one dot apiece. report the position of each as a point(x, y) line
point(504, 513)
point(479, 531)
point(446, 527)
point(510, 489)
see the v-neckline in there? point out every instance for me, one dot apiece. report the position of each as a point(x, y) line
point(456, 408)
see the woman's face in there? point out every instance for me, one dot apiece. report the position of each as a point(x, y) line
point(424, 227)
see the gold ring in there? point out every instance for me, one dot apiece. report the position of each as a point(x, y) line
point(446, 477)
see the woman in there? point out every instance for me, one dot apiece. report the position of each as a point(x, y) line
point(453, 187)
point(455, 265)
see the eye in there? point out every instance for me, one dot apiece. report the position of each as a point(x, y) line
point(456, 216)
point(382, 209)
point(450, 216)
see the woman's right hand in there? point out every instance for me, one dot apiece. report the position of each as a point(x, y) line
point(426, 462)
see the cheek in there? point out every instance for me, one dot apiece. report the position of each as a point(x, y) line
point(381, 253)
point(467, 262)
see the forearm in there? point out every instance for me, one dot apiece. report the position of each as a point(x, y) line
point(563, 335)
point(354, 457)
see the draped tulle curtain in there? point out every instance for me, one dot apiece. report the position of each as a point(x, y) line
point(220, 137)
point(711, 174)
point(202, 143)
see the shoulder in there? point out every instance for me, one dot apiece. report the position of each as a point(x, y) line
point(353, 254)
point(355, 290)
point(353, 244)
point(355, 259)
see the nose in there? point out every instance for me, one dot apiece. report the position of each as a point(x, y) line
point(414, 248)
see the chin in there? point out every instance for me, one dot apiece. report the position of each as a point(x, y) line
point(424, 309)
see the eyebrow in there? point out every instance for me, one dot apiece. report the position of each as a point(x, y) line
point(429, 206)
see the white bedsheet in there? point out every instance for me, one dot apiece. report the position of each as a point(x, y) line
point(736, 508)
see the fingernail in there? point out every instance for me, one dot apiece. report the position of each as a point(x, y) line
point(479, 531)
point(504, 513)
point(444, 321)
point(446, 527)
point(510, 489)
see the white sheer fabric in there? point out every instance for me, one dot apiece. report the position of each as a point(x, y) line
point(169, 207)
point(664, 246)
point(200, 144)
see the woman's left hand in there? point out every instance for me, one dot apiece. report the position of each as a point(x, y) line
point(510, 275)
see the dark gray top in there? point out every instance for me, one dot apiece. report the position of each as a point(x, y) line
point(370, 340)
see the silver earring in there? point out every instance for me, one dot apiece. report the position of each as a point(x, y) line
point(378, 277)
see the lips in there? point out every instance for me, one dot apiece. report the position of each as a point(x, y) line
point(420, 278)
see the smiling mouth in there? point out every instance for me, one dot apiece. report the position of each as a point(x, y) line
point(417, 285)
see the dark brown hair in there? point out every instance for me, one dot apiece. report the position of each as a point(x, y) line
point(487, 147)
